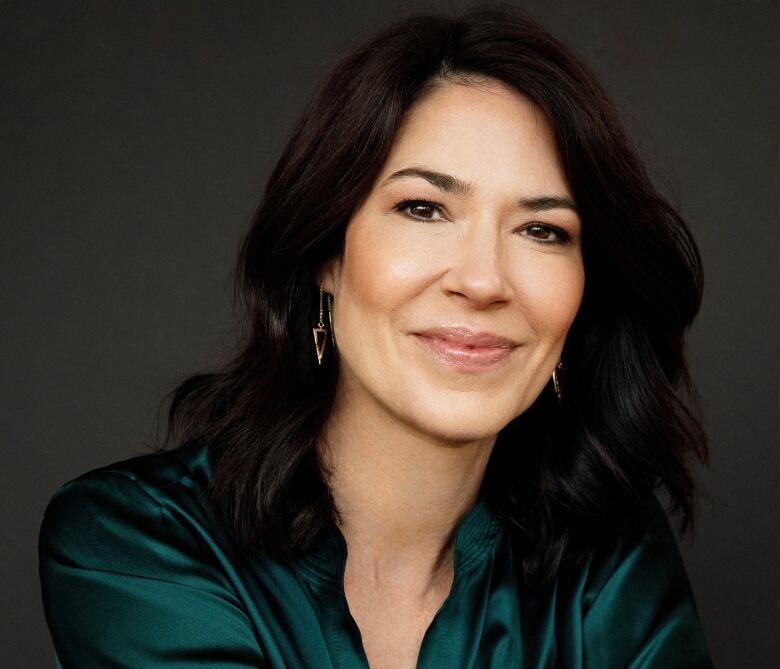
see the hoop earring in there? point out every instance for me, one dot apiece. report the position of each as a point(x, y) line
point(557, 377)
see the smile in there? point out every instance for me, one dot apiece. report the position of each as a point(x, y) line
point(464, 357)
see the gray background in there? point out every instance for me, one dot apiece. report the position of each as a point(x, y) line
point(136, 139)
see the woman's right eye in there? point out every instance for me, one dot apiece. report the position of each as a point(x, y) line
point(420, 210)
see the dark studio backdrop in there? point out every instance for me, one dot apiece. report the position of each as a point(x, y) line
point(136, 139)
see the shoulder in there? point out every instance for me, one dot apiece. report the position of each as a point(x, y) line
point(153, 477)
point(133, 570)
point(103, 514)
point(638, 606)
point(643, 547)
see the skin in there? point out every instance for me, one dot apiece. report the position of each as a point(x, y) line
point(410, 437)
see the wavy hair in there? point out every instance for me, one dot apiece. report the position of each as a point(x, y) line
point(560, 475)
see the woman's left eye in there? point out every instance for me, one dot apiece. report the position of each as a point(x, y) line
point(419, 206)
point(546, 234)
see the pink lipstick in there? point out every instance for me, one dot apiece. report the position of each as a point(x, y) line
point(466, 349)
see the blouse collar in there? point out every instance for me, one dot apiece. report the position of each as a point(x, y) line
point(474, 536)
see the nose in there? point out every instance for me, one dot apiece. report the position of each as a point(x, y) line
point(477, 272)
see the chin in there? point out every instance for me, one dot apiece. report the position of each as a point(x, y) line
point(455, 425)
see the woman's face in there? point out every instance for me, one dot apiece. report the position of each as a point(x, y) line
point(494, 246)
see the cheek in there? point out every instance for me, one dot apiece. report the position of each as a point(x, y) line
point(551, 291)
point(384, 270)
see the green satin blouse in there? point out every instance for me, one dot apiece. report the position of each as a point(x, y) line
point(136, 573)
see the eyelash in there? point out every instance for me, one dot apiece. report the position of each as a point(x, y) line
point(563, 236)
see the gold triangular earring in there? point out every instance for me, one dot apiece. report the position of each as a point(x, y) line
point(557, 377)
point(321, 332)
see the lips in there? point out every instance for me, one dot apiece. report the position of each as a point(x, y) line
point(465, 358)
point(470, 338)
point(466, 350)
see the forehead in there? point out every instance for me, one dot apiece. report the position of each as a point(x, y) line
point(486, 133)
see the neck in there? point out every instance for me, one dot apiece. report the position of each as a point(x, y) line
point(400, 493)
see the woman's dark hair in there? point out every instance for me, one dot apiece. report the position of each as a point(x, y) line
point(561, 475)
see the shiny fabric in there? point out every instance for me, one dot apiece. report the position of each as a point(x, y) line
point(135, 573)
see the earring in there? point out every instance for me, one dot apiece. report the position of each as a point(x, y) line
point(321, 332)
point(557, 377)
point(330, 320)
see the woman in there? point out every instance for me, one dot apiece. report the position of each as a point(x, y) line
point(462, 380)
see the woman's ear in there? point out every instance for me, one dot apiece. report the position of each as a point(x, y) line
point(328, 275)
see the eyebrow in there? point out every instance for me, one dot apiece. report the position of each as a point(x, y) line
point(452, 184)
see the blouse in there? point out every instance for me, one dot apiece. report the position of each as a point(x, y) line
point(136, 572)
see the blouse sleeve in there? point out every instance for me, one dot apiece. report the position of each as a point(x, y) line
point(123, 584)
point(642, 612)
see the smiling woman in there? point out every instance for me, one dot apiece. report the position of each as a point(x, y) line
point(459, 468)
point(496, 255)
